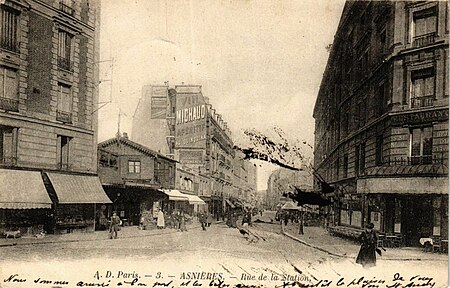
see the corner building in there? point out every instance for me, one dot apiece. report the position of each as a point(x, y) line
point(48, 123)
point(381, 119)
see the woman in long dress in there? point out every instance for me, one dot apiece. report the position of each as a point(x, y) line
point(368, 239)
point(160, 220)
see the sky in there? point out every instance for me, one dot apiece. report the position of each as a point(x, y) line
point(259, 62)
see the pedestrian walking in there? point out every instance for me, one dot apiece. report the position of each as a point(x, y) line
point(160, 223)
point(209, 219)
point(368, 239)
point(182, 217)
point(202, 220)
point(114, 226)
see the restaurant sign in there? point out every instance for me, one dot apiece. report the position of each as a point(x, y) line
point(420, 117)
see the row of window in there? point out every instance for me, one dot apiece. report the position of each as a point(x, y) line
point(420, 152)
point(9, 95)
point(8, 148)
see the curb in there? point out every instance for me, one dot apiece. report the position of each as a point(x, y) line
point(91, 240)
point(350, 257)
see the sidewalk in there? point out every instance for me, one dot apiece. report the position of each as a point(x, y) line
point(126, 232)
point(320, 239)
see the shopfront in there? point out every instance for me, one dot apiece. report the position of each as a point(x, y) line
point(25, 205)
point(76, 198)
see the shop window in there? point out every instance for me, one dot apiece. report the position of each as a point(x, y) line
point(64, 111)
point(134, 167)
point(9, 38)
point(63, 152)
point(422, 88)
point(424, 27)
point(421, 140)
point(8, 145)
point(9, 89)
point(65, 43)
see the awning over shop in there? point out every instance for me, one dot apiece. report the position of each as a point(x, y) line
point(78, 189)
point(229, 203)
point(290, 205)
point(311, 198)
point(22, 190)
point(175, 195)
point(193, 199)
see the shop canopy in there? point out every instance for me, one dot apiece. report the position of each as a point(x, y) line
point(78, 189)
point(193, 199)
point(175, 195)
point(290, 205)
point(22, 190)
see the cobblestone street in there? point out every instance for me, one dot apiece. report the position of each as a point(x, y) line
point(217, 250)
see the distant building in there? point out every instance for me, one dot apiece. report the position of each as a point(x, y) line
point(48, 124)
point(381, 118)
point(284, 180)
point(181, 123)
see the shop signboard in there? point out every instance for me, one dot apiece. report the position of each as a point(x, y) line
point(190, 118)
point(191, 156)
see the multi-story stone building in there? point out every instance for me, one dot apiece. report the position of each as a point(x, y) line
point(180, 122)
point(48, 122)
point(381, 118)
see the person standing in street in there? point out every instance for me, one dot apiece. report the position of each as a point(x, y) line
point(183, 227)
point(209, 219)
point(114, 226)
point(368, 239)
point(160, 220)
point(202, 219)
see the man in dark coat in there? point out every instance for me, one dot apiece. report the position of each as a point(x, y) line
point(368, 239)
point(202, 220)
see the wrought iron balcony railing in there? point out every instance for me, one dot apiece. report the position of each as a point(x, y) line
point(9, 104)
point(66, 9)
point(423, 40)
point(64, 116)
point(414, 160)
point(65, 63)
point(9, 44)
point(419, 102)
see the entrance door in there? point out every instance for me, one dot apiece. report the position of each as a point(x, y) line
point(417, 219)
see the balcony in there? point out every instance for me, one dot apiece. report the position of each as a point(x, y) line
point(63, 116)
point(411, 166)
point(65, 63)
point(420, 102)
point(9, 104)
point(66, 9)
point(423, 40)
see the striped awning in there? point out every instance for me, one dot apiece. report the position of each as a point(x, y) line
point(193, 199)
point(22, 190)
point(175, 195)
point(78, 189)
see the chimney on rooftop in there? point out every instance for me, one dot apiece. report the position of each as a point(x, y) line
point(125, 135)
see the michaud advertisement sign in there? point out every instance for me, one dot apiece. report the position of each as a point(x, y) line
point(190, 117)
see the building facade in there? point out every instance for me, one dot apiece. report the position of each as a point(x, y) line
point(381, 118)
point(134, 177)
point(190, 130)
point(48, 123)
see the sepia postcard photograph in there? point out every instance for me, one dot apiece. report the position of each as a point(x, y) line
point(224, 143)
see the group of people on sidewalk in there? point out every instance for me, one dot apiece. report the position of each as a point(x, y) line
point(176, 220)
